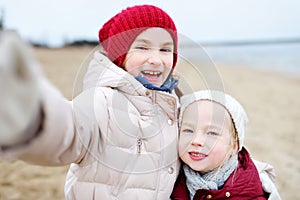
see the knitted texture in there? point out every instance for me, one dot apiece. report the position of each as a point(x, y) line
point(118, 33)
point(212, 180)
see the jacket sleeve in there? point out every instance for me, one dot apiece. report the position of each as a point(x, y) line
point(267, 177)
point(65, 133)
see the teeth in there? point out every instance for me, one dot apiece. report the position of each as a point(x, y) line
point(152, 73)
point(197, 154)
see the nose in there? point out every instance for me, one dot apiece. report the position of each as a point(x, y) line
point(154, 58)
point(199, 139)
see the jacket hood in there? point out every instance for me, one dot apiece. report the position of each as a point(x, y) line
point(102, 72)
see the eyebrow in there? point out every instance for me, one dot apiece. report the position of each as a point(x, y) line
point(149, 42)
point(186, 124)
point(211, 126)
point(142, 40)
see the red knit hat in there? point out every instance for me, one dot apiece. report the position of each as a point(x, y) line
point(117, 34)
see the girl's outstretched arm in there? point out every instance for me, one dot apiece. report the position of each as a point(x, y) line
point(37, 124)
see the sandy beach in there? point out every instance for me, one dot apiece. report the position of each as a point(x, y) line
point(270, 98)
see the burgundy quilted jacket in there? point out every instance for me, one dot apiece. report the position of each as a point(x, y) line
point(243, 184)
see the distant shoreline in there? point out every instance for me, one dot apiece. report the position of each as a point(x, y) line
point(279, 56)
point(273, 41)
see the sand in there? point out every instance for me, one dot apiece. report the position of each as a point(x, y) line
point(270, 98)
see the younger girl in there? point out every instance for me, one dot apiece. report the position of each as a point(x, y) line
point(216, 164)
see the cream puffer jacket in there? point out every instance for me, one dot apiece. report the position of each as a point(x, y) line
point(120, 137)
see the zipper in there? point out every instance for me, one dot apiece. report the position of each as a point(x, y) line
point(139, 145)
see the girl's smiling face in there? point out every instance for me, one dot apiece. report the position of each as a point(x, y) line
point(151, 55)
point(206, 136)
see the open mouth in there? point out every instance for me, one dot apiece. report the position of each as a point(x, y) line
point(151, 73)
point(197, 155)
point(152, 76)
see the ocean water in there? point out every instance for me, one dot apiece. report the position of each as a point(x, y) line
point(277, 56)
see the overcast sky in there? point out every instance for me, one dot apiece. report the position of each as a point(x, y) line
point(56, 21)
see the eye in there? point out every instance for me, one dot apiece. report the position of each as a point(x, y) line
point(141, 48)
point(166, 49)
point(212, 133)
point(187, 131)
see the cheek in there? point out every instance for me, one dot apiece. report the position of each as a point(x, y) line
point(131, 66)
point(128, 62)
point(168, 60)
point(184, 143)
point(221, 151)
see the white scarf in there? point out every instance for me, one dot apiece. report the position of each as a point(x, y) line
point(212, 180)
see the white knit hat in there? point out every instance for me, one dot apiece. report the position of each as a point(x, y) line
point(234, 108)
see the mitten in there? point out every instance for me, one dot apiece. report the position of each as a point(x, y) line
point(20, 101)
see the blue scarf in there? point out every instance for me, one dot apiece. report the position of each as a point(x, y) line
point(168, 85)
